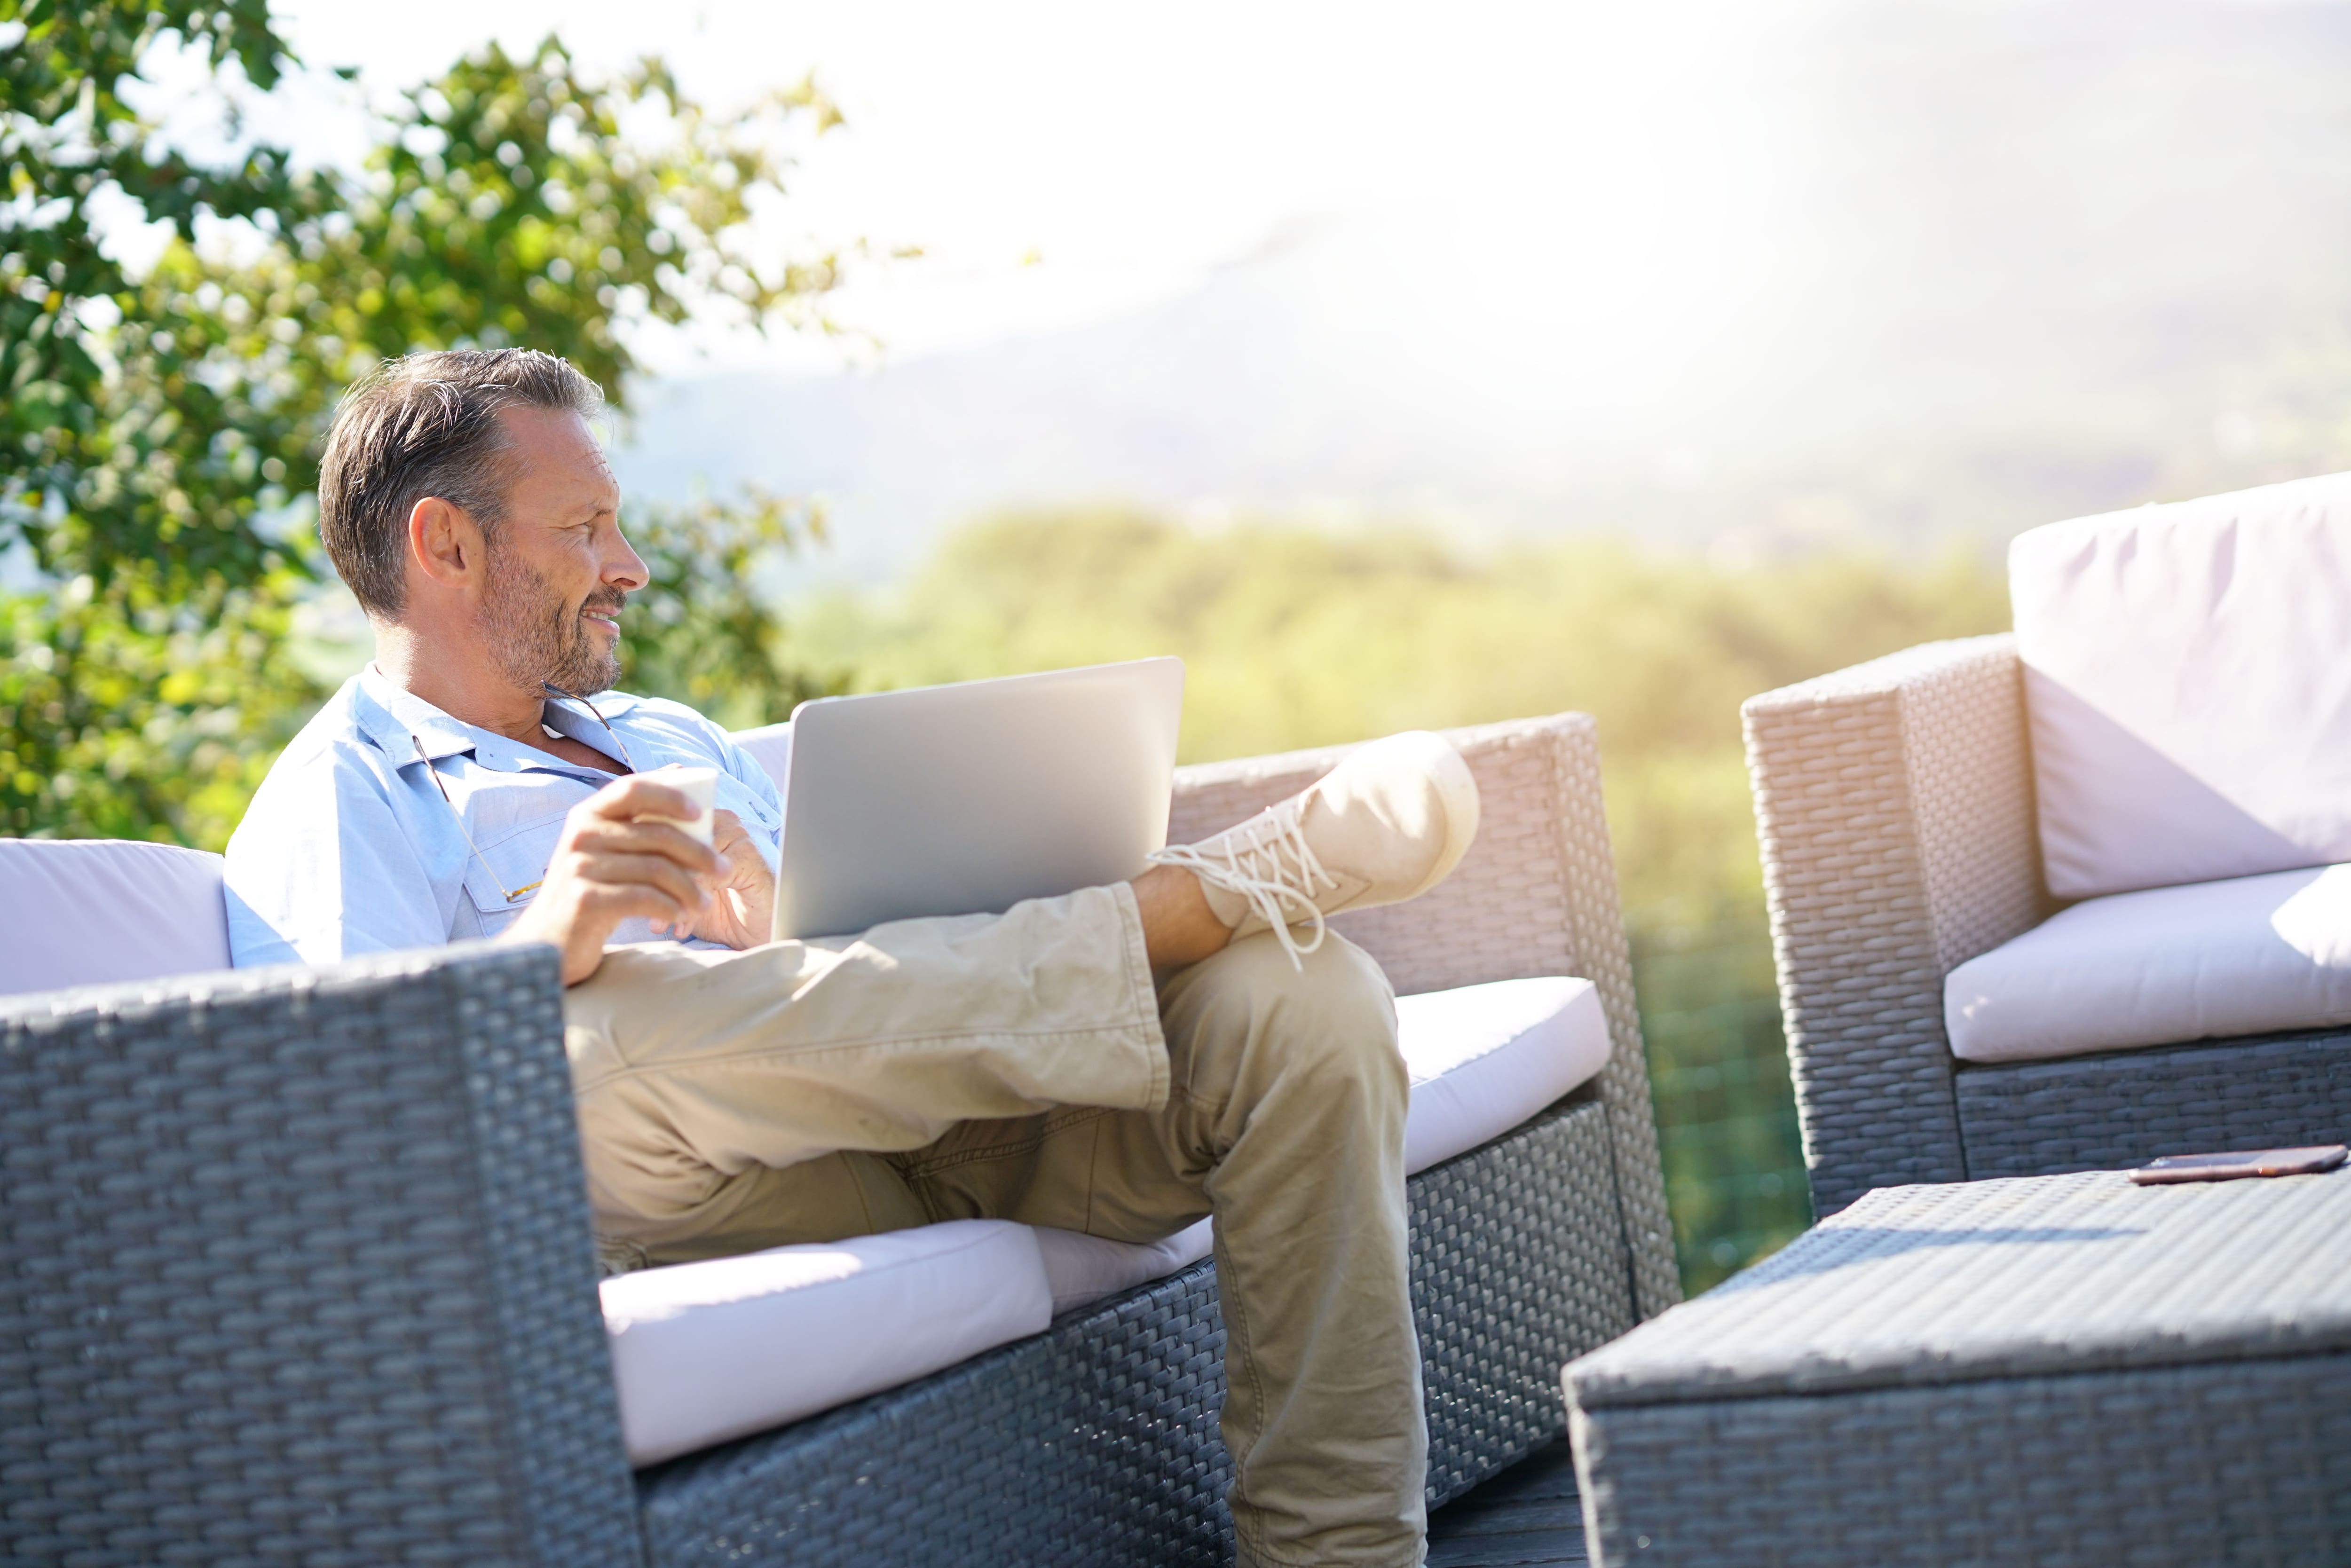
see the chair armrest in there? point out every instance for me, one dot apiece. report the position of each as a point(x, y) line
point(1536, 894)
point(1894, 804)
point(297, 1265)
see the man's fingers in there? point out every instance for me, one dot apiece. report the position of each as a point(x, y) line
point(619, 901)
point(649, 839)
point(608, 869)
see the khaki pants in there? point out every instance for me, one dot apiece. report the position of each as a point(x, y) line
point(1022, 1067)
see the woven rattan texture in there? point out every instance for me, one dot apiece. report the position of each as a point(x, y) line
point(2184, 1466)
point(538, 1254)
point(1096, 1441)
point(1893, 805)
point(1970, 766)
point(1990, 1279)
point(2123, 1108)
point(1535, 896)
point(297, 1271)
point(1506, 1293)
point(2071, 1370)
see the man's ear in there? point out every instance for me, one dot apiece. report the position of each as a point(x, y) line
point(444, 543)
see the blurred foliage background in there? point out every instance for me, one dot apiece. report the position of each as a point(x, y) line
point(160, 438)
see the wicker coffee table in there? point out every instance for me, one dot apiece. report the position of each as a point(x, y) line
point(2059, 1371)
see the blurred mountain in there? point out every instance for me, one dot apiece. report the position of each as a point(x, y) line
point(1929, 272)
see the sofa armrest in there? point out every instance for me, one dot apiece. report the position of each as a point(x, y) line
point(1535, 896)
point(1893, 803)
point(297, 1265)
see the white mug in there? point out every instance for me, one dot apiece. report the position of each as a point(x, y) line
point(699, 785)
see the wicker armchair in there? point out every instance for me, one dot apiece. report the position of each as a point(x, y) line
point(298, 1269)
point(1895, 804)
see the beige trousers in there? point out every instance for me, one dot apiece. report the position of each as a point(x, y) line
point(1022, 1067)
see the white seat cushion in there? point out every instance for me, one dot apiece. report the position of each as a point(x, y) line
point(2187, 674)
point(2211, 960)
point(90, 912)
point(1483, 1059)
point(1083, 1270)
point(706, 1351)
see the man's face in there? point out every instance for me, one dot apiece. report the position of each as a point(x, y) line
point(559, 571)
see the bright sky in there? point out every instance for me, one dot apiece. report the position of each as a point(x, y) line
point(1131, 148)
point(1518, 260)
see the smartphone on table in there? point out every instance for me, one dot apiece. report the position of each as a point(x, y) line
point(2307, 1161)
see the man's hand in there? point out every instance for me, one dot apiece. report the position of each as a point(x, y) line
point(609, 867)
point(742, 911)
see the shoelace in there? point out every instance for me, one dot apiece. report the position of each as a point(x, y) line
point(1253, 870)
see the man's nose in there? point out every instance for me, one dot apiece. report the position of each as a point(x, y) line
point(626, 570)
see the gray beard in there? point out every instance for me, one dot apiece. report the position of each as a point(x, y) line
point(537, 639)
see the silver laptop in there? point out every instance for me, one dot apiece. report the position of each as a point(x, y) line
point(967, 798)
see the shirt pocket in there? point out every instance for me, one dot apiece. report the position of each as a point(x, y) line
point(502, 878)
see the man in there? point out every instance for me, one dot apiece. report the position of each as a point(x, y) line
point(1121, 1061)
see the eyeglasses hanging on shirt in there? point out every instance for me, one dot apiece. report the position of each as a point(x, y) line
point(518, 894)
point(627, 761)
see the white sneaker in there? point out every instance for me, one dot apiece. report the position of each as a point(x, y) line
point(1387, 824)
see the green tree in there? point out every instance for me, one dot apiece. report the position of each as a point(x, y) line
point(162, 429)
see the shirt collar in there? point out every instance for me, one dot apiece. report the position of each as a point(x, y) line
point(568, 716)
point(401, 714)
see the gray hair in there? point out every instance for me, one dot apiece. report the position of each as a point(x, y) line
point(427, 425)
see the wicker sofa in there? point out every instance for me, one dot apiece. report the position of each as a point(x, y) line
point(2172, 730)
point(299, 1269)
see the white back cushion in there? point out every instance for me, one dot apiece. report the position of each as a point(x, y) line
point(771, 747)
point(2187, 671)
point(88, 912)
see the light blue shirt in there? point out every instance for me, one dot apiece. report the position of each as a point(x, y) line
point(349, 848)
